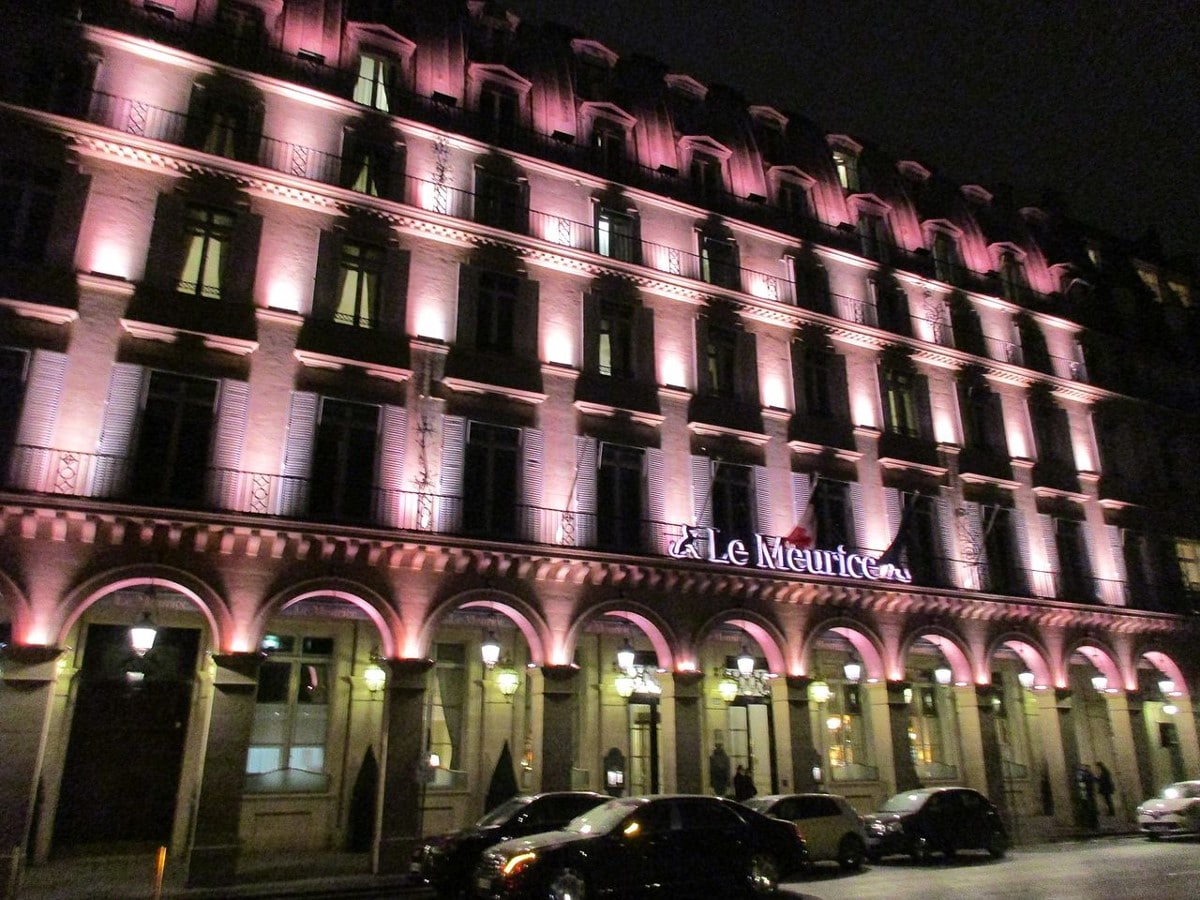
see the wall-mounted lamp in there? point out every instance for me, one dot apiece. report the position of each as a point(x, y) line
point(908, 695)
point(490, 650)
point(727, 689)
point(1167, 686)
point(1170, 709)
point(142, 635)
point(374, 677)
point(1026, 679)
point(942, 675)
point(819, 692)
point(507, 680)
point(1100, 683)
point(745, 662)
point(852, 670)
point(833, 723)
point(625, 656)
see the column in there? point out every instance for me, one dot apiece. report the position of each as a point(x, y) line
point(212, 861)
point(1185, 727)
point(898, 716)
point(1125, 774)
point(972, 770)
point(402, 786)
point(805, 756)
point(878, 710)
point(25, 691)
point(989, 739)
point(1060, 734)
point(1136, 710)
point(690, 777)
point(558, 726)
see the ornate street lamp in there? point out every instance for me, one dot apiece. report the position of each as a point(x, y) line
point(142, 635)
point(490, 650)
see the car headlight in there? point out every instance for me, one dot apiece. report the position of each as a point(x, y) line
point(895, 826)
point(516, 864)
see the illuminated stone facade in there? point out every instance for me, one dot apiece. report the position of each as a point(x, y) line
point(341, 337)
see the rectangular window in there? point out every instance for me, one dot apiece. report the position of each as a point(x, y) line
point(616, 235)
point(707, 177)
point(498, 114)
point(619, 490)
point(447, 712)
point(874, 236)
point(945, 257)
point(831, 500)
point(1002, 567)
point(900, 404)
point(616, 340)
point(366, 166)
point(343, 486)
point(921, 543)
point(376, 79)
point(1074, 567)
point(500, 201)
point(171, 459)
point(1187, 554)
point(361, 268)
point(719, 262)
point(208, 233)
point(12, 395)
point(819, 373)
point(1012, 277)
point(291, 716)
point(846, 166)
point(720, 358)
point(733, 501)
point(27, 195)
point(794, 201)
point(608, 146)
point(494, 312)
point(490, 481)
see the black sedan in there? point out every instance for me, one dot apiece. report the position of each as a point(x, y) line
point(935, 820)
point(445, 862)
point(674, 846)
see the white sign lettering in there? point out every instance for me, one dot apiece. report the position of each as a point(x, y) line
point(775, 554)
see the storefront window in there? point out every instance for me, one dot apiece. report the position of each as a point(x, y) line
point(447, 694)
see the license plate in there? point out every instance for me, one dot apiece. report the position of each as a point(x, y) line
point(1158, 826)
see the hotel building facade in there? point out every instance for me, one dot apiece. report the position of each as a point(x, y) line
point(346, 344)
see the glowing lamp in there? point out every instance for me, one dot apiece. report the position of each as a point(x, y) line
point(624, 685)
point(1170, 709)
point(142, 635)
point(833, 723)
point(374, 677)
point(727, 689)
point(745, 662)
point(1100, 683)
point(819, 692)
point(625, 656)
point(1026, 679)
point(507, 680)
point(490, 649)
point(1167, 686)
point(852, 670)
point(942, 675)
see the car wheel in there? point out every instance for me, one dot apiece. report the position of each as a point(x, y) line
point(851, 852)
point(1155, 838)
point(997, 845)
point(567, 885)
point(764, 875)
point(920, 851)
point(874, 858)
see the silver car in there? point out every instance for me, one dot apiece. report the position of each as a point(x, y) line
point(831, 828)
point(1174, 811)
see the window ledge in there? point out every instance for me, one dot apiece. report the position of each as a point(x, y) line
point(337, 363)
point(168, 334)
point(463, 386)
point(824, 450)
point(707, 429)
point(55, 315)
point(632, 415)
point(895, 463)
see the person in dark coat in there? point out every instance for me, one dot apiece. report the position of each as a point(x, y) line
point(743, 785)
point(718, 770)
point(1086, 781)
point(1105, 786)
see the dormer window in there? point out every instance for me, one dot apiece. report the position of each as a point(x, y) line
point(874, 235)
point(240, 22)
point(592, 77)
point(608, 145)
point(1012, 276)
point(946, 262)
point(498, 113)
point(846, 166)
point(501, 101)
point(706, 175)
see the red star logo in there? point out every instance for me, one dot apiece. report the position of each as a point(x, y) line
point(799, 537)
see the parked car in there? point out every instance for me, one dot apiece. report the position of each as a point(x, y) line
point(832, 830)
point(1176, 810)
point(445, 862)
point(673, 846)
point(935, 820)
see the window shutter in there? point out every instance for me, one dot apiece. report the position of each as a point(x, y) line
point(298, 453)
point(1117, 593)
point(858, 519)
point(468, 304)
point(702, 489)
point(454, 436)
point(389, 481)
point(168, 243)
point(237, 280)
point(976, 574)
point(656, 497)
point(762, 501)
point(584, 501)
point(801, 491)
point(895, 510)
point(747, 367)
point(229, 437)
point(199, 116)
point(325, 285)
point(703, 383)
point(924, 412)
point(944, 510)
point(591, 331)
point(994, 423)
point(115, 446)
point(798, 352)
point(525, 322)
point(643, 345)
point(31, 458)
point(394, 290)
point(1020, 531)
point(532, 453)
point(839, 388)
point(1047, 588)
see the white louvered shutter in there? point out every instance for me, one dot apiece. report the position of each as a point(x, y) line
point(656, 500)
point(532, 479)
point(858, 524)
point(801, 489)
point(762, 501)
point(945, 553)
point(1048, 580)
point(226, 478)
point(389, 479)
point(114, 450)
point(298, 453)
point(1021, 533)
point(584, 501)
point(31, 467)
point(450, 486)
point(702, 489)
point(1117, 593)
point(977, 577)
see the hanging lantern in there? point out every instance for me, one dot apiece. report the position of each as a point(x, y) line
point(727, 689)
point(625, 685)
point(142, 635)
point(490, 649)
point(625, 656)
point(374, 677)
point(852, 670)
point(819, 692)
point(507, 680)
point(1026, 679)
point(942, 675)
point(745, 662)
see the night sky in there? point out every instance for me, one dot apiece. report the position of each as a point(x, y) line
point(1097, 99)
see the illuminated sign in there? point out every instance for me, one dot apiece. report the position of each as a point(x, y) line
point(776, 554)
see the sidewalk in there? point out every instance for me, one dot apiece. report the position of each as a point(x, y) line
point(317, 876)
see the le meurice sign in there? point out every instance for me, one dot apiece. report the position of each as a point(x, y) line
point(775, 553)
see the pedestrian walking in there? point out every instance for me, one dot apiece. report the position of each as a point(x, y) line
point(1085, 781)
point(743, 785)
